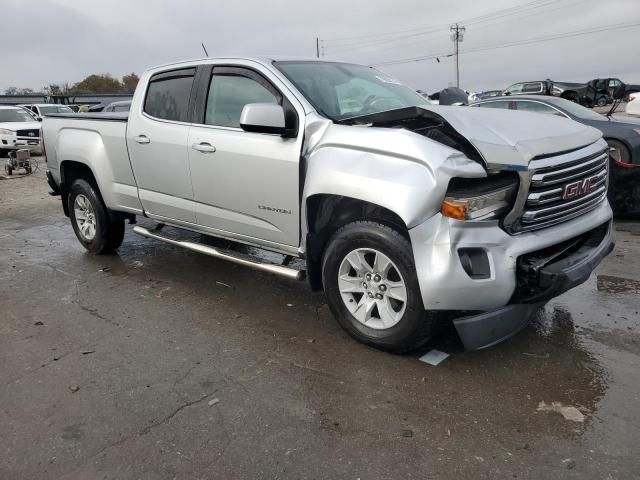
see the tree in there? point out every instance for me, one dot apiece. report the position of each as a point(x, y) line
point(18, 91)
point(103, 83)
point(57, 89)
point(129, 83)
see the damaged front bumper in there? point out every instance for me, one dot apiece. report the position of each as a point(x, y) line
point(467, 266)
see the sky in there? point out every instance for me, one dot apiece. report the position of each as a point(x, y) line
point(56, 41)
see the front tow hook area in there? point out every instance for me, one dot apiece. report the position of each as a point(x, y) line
point(489, 328)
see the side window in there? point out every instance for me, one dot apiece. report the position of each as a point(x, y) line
point(517, 88)
point(168, 95)
point(499, 104)
point(229, 92)
point(536, 108)
point(532, 88)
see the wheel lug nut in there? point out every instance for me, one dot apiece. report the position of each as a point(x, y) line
point(364, 285)
point(370, 295)
point(368, 276)
point(377, 278)
point(382, 287)
point(379, 296)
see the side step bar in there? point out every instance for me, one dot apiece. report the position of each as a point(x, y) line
point(224, 255)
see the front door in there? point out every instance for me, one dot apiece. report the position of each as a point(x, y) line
point(157, 136)
point(245, 184)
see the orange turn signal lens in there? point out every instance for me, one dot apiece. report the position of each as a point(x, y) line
point(453, 209)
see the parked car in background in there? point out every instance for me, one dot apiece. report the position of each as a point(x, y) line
point(396, 208)
point(18, 129)
point(99, 107)
point(123, 106)
point(42, 109)
point(622, 134)
point(474, 97)
point(633, 106)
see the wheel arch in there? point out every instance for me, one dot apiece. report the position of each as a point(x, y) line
point(71, 170)
point(326, 213)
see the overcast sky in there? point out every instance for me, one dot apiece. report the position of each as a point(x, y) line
point(52, 41)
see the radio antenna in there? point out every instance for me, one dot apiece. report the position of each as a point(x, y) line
point(205, 49)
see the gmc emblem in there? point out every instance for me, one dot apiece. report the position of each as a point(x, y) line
point(579, 188)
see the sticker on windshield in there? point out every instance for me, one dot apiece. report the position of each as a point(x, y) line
point(388, 80)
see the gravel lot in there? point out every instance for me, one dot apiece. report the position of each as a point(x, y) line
point(159, 363)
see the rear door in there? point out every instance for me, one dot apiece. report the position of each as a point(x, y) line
point(157, 136)
point(245, 184)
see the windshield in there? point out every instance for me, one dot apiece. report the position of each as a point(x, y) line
point(46, 109)
point(342, 90)
point(14, 115)
point(575, 109)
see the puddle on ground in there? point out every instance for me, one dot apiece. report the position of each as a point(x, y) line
point(611, 284)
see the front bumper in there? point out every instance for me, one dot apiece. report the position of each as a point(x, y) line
point(541, 277)
point(444, 283)
point(12, 142)
point(502, 301)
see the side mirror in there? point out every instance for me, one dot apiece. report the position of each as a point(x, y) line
point(264, 118)
point(39, 119)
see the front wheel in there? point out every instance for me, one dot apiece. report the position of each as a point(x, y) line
point(93, 227)
point(372, 288)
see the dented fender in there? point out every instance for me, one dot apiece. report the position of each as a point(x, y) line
point(397, 169)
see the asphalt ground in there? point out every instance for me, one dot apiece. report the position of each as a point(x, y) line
point(158, 363)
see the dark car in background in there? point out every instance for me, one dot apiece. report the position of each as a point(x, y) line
point(621, 133)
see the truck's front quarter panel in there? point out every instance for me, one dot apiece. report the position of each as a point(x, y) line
point(398, 170)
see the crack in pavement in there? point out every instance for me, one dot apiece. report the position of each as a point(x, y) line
point(142, 432)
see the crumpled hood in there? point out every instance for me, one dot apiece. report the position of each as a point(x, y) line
point(13, 126)
point(511, 138)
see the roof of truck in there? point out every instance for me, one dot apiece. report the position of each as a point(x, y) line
point(259, 59)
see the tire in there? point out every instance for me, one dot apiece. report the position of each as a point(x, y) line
point(407, 325)
point(601, 101)
point(8, 170)
point(619, 201)
point(94, 229)
point(624, 154)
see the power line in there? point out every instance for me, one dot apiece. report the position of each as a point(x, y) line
point(619, 26)
point(419, 30)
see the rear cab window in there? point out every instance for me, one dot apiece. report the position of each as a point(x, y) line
point(168, 95)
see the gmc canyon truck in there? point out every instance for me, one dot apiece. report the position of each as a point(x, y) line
point(400, 209)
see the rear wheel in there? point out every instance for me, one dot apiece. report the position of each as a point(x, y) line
point(372, 288)
point(90, 219)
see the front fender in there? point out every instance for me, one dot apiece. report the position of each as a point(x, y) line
point(410, 187)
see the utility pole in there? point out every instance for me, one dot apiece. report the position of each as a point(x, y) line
point(457, 34)
point(317, 47)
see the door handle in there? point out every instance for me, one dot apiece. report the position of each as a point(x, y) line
point(204, 147)
point(142, 139)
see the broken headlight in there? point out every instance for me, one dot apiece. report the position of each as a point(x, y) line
point(476, 199)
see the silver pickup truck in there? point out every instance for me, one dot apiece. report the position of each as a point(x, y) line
point(400, 209)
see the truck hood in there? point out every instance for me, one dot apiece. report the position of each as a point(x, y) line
point(512, 139)
point(13, 126)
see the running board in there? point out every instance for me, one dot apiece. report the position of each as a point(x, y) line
point(224, 255)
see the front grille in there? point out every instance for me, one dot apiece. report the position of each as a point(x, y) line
point(562, 190)
point(31, 133)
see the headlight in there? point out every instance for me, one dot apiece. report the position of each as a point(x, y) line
point(4, 131)
point(476, 199)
